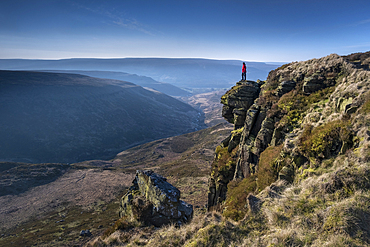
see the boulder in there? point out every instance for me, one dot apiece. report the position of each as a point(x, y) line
point(151, 200)
point(85, 233)
point(253, 204)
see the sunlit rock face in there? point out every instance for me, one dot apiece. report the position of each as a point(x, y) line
point(303, 114)
point(151, 200)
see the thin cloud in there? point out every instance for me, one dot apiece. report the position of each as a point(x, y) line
point(359, 23)
point(363, 45)
point(117, 19)
point(130, 24)
point(364, 22)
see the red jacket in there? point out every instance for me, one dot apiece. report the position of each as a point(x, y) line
point(244, 69)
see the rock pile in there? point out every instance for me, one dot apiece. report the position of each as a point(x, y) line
point(151, 200)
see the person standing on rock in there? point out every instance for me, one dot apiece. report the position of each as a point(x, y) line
point(244, 72)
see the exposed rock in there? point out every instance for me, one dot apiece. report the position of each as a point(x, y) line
point(226, 142)
point(239, 117)
point(285, 87)
point(250, 121)
point(235, 139)
point(85, 233)
point(239, 97)
point(243, 167)
point(153, 201)
point(253, 204)
point(287, 173)
point(227, 113)
point(344, 104)
point(313, 83)
point(218, 189)
point(275, 141)
point(277, 137)
point(264, 136)
point(351, 109)
point(238, 109)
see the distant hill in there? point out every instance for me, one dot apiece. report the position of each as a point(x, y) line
point(55, 117)
point(181, 72)
point(143, 81)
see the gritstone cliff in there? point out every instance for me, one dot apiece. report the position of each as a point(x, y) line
point(295, 170)
point(303, 114)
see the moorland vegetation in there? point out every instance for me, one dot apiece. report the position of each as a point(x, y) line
point(295, 173)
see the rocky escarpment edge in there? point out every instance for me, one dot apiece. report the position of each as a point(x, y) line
point(278, 133)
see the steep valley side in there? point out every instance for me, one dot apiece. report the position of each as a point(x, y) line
point(51, 117)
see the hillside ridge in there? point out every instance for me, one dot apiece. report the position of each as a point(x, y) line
point(294, 170)
point(181, 72)
point(57, 117)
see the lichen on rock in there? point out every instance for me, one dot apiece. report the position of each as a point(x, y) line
point(304, 114)
point(151, 200)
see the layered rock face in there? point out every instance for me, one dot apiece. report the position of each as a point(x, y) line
point(237, 110)
point(294, 120)
point(151, 200)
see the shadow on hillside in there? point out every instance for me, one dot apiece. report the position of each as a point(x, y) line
point(17, 178)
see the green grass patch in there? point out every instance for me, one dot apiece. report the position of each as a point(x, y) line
point(326, 140)
point(237, 192)
point(366, 106)
point(224, 164)
point(294, 104)
point(268, 169)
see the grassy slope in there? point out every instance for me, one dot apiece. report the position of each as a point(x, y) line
point(184, 160)
point(326, 205)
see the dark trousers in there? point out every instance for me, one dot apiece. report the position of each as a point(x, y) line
point(244, 76)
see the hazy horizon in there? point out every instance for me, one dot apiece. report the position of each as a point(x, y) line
point(142, 57)
point(263, 31)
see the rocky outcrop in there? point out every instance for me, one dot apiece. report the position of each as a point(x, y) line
point(240, 110)
point(151, 200)
point(272, 135)
point(237, 101)
point(313, 83)
point(285, 87)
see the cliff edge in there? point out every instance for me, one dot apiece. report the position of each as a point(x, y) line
point(306, 116)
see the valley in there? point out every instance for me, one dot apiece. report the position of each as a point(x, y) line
point(57, 117)
point(289, 167)
point(85, 195)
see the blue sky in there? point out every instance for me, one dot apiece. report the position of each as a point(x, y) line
point(264, 30)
